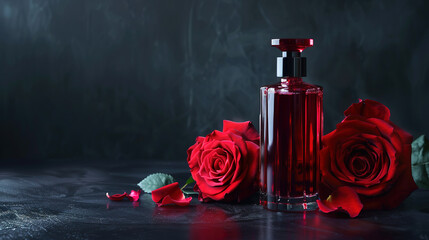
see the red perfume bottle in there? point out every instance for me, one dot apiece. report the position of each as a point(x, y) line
point(291, 128)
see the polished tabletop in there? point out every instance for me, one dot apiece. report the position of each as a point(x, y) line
point(68, 201)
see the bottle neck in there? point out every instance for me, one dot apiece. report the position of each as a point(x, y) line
point(291, 80)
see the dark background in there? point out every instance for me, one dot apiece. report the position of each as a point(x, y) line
point(133, 79)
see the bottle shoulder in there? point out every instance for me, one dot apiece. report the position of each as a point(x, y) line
point(296, 88)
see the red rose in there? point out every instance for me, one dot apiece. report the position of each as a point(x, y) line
point(369, 154)
point(225, 164)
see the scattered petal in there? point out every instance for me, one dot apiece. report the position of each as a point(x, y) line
point(134, 195)
point(116, 197)
point(179, 202)
point(343, 199)
point(170, 195)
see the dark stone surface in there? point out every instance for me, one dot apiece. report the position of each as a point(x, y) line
point(69, 202)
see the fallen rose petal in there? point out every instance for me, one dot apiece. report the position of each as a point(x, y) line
point(116, 197)
point(170, 194)
point(343, 199)
point(134, 195)
point(160, 193)
point(168, 201)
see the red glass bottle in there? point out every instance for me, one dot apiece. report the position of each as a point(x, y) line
point(291, 128)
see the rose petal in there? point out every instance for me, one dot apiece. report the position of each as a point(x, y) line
point(354, 125)
point(239, 141)
point(171, 201)
point(160, 193)
point(170, 195)
point(247, 130)
point(217, 135)
point(194, 152)
point(252, 172)
point(359, 165)
point(404, 186)
point(134, 195)
point(369, 108)
point(116, 197)
point(342, 199)
point(385, 127)
point(404, 136)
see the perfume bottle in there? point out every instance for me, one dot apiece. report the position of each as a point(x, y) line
point(291, 128)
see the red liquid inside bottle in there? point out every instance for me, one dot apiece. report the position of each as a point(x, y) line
point(291, 126)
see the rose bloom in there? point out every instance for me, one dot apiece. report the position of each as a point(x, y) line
point(369, 154)
point(225, 164)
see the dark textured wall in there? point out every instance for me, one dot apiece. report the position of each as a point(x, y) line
point(133, 79)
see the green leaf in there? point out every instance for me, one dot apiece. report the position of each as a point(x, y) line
point(420, 161)
point(189, 192)
point(189, 181)
point(155, 181)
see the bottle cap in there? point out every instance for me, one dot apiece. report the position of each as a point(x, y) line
point(291, 64)
point(288, 44)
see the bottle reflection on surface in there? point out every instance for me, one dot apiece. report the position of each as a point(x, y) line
point(213, 223)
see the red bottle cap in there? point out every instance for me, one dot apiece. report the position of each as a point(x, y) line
point(292, 44)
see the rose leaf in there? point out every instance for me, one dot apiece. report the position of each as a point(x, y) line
point(155, 181)
point(420, 161)
point(189, 192)
point(189, 181)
